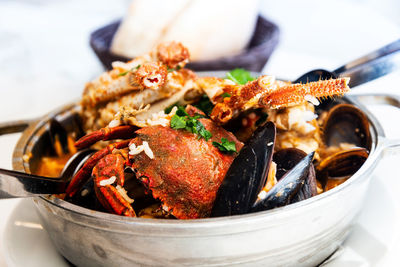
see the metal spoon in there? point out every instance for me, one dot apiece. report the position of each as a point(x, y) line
point(364, 69)
point(18, 184)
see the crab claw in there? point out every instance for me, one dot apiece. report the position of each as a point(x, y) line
point(82, 176)
point(108, 176)
point(118, 132)
point(294, 94)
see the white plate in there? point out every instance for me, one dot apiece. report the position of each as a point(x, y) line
point(26, 243)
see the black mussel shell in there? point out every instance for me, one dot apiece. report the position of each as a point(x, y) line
point(60, 128)
point(285, 160)
point(287, 187)
point(341, 165)
point(247, 174)
point(346, 124)
point(309, 188)
point(58, 133)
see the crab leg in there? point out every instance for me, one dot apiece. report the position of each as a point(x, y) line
point(267, 93)
point(108, 172)
point(107, 133)
point(242, 97)
point(83, 175)
point(294, 94)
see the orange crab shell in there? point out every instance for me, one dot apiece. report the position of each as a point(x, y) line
point(186, 171)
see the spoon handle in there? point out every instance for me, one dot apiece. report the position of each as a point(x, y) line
point(17, 184)
point(372, 66)
point(14, 126)
point(383, 51)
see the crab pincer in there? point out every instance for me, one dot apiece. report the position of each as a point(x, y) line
point(84, 174)
point(107, 133)
point(107, 173)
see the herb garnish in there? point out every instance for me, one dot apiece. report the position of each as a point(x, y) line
point(131, 70)
point(205, 105)
point(167, 110)
point(240, 76)
point(174, 69)
point(226, 95)
point(182, 120)
point(225, 145)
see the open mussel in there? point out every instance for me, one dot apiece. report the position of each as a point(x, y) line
point(239, 193)
point(346, 124)
point(247, 174)
point(58, 137)
point(287, 159)
point(338, 167)
point(346, 134)
point(62, 134)
point(287, 187)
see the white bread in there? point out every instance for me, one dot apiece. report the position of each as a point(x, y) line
point(209, 28)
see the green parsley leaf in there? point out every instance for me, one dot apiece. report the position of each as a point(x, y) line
point(181, 111)
point(225, 145)
point(205, 105)
point(174, 69)
point(167, 110)
point(178, 122)
point(123, 73)
point(240, 76)
point(126, 72)
point(201, 130)
point(226, 95)
point(182, 120)
point(191, 124)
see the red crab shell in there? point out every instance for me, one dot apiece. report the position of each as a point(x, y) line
point(186, 171)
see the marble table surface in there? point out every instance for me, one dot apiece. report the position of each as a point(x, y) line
point(45, 59)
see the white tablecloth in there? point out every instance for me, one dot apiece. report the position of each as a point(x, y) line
point(45, 60)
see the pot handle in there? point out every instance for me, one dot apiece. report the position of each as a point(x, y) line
point(381, 99)
point(17, 126)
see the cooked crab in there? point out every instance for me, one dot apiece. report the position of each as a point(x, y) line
point(179, 168)
point(141, 81)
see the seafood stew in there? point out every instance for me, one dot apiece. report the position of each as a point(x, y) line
point(194, 147)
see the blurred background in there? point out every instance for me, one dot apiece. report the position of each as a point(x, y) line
point(45, 60)
point(44, 44)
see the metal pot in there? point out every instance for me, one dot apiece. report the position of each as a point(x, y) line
point(300, 234)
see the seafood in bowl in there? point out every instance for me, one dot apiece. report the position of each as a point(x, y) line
point(193, 147)
point(310, 220)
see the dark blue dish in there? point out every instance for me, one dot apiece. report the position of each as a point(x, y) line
point(253, 58)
